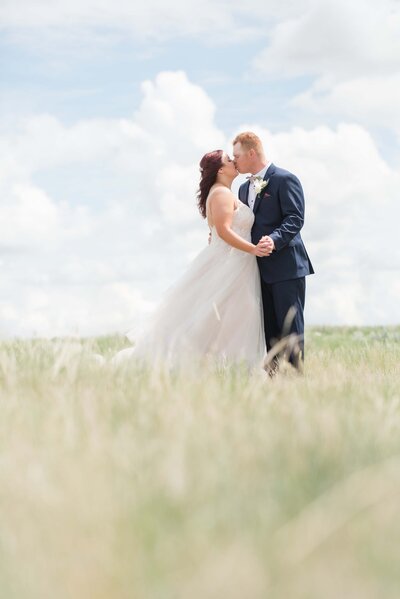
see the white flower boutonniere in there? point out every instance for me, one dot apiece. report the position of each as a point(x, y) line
point(260, 184)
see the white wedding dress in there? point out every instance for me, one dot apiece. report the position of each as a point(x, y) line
point(213, 313)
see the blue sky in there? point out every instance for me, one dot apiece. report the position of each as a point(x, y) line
point(105, 82)
point(107, 108)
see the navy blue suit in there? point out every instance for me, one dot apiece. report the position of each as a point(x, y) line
point(279, 213)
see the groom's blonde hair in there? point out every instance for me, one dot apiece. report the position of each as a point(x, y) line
point(249, 141)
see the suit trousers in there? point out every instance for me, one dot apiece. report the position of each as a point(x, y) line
point(277, 300)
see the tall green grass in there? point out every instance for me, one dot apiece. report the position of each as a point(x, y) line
point(125, 483)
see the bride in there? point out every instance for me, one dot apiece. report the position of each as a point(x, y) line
point(214, 312)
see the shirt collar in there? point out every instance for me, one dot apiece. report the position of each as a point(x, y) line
point(262, 172)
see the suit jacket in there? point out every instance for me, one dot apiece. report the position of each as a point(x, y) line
point(279, 213)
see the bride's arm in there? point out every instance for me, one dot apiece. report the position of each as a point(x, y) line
point(222, 208)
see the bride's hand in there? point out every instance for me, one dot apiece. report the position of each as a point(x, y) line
point(261, 251)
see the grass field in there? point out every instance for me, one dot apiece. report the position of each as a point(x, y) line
point(123, 484)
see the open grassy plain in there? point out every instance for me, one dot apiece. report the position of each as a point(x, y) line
point(127, 484)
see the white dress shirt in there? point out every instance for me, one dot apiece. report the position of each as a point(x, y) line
point(252, 192)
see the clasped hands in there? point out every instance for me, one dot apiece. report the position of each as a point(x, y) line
point(264, 247)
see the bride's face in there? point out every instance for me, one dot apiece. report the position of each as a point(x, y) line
point(228, 166)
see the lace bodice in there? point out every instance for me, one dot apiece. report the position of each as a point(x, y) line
point(242, 222)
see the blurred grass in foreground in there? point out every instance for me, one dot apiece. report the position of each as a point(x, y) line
point(118, 484)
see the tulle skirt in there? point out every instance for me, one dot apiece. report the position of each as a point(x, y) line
point(213, 313)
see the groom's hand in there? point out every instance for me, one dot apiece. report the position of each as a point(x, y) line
point(266, 245)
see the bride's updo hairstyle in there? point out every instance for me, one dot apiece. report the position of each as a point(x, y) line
point(209, 166)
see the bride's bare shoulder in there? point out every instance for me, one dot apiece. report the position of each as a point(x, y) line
point(220, 195)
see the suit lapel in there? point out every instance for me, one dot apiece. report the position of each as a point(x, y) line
point(270, 171)
point(245, 193)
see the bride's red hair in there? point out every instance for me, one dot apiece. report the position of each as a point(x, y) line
point(209, 166)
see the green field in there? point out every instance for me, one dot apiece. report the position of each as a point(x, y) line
point(127, 484)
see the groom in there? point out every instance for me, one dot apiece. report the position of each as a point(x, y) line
point(277, 200)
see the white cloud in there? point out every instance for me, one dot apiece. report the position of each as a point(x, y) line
point(105, 208)
point(111, 258)
point(42, 142)
point(152, 19)
point(68, 310)
point(176, 184)
point(30, 218)
point(351, 49)
point(336, 38)
point(371, 100)
point(171, 111)
point(70, 266)
point(104, 21)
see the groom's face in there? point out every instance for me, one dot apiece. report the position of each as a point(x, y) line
point(242, 158)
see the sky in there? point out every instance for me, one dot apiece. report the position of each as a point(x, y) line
point(106, 108)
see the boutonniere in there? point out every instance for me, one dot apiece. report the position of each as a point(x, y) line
point(260, 185)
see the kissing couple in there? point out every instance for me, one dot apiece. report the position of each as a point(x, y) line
point(246, 289)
